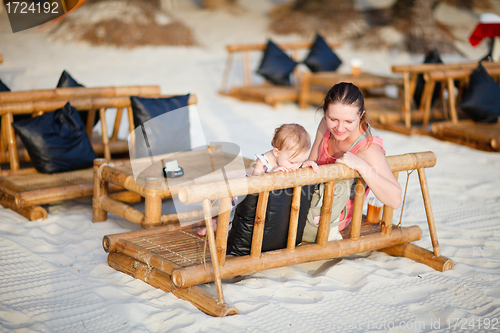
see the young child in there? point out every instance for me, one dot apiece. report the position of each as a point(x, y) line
point(291, 144)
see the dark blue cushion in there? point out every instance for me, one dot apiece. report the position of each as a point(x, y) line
point(67, 81)
point(481, 100)
point(277, 221)
point(164, 134)
point(3, 87)
point(56, 141)
point(276, 66)
point(321, 58)
point(432, 57)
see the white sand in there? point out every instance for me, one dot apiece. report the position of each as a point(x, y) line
point(54, 276)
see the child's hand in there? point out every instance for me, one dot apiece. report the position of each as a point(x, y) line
point(311, 164)
point(280, 168)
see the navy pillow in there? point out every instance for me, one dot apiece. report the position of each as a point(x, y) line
point(481, 100)
point(432, 57)
point(3, 87)
point(164, 134)
point(276, 225)
point(276, 66)
point(321, 58)
point(56, 141)
point(66, 81)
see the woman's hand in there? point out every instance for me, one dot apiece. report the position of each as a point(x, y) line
point(311, 164)
point(280, 168)
point(352, 161)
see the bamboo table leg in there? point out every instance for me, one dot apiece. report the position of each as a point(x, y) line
point(428, 211)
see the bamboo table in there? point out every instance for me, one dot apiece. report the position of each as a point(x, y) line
point(325, 80)
point(199, 166)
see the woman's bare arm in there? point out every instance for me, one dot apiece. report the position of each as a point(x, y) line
point(313, 156)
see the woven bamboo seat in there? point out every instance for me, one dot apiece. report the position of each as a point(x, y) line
point(24, 190)
point(175, 259)
point(265, 93)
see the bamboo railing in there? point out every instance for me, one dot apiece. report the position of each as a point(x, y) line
point(394, 240)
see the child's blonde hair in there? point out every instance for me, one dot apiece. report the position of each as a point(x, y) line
point(291, 137)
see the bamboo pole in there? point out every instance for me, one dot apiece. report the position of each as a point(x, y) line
point(246, 67)
point(11, 140)
point(258, 226)
point(326, 214)
point(54, 194)
point(100, 190)
point(200, 298)
point(420, 255)
point(32, 213)
point(279, 180)
point(120, 209)
point(190, 276)
point(357, 212)
point(451, 101)
point(305, 89)
point(436, 67)
point(105, 138)
point(90, 123)
point(116, 128)
point(152, 210)
point(75, 92)
point(213, 250)
point(126, 196)
point(386, 225)
point(223, 229)
point(428, 211)
point(407, 99)
point(427, 101)
point(294, 219)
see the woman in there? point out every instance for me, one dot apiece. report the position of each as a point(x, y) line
point(344, 136)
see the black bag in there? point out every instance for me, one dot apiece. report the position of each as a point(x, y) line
point(56, 141)
point(276, 224)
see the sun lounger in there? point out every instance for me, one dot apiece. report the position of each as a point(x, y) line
point(401, 120)
point(23, 190)
point(116, 145)
point(266, 93)
point(174, 259)
point(484, 136)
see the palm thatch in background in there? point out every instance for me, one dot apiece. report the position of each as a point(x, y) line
point(407, 25)
point(122, 23)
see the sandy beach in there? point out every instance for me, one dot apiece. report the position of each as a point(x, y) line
point(54, 275)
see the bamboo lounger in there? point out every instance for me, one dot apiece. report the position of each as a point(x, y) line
point(391, 120)
point(267, 93)
point(23, 190)
point(478, 135)
point(173, 258)
point(28, 96)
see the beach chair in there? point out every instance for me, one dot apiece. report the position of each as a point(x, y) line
point(403, 119)
point(267, 93)
point(24, 190)
point(174, 259)
point(116, 146)
point(485, 136)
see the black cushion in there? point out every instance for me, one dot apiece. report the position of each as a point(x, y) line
point(3, 87)
point(67, 81)
point(165, 134)
point(432, 57)
point(481, 100)
point(321, 58)
point(276, 66)
point(276, 224)
point(56, 141)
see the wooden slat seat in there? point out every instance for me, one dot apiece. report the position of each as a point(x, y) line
point(173, 258)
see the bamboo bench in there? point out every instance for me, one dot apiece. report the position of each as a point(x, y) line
point(478, 135)
point(24, 190)
point(173, 259)
point(401, 120)
point(28, 96)
point(270, 94)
